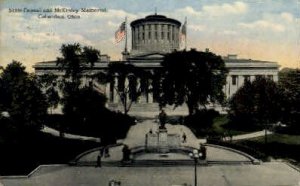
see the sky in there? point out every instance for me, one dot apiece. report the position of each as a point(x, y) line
point(252, 29)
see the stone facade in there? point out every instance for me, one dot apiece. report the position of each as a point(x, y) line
point(152, 38)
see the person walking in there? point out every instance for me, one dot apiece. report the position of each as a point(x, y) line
point(183, 138)
point(98, 164)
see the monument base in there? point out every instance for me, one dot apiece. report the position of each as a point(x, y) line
point(163, 140)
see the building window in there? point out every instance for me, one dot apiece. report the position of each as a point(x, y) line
point(234, 80)
point(168, 35)
point(270, 77)
point(149, 35)
point(143, 36)
point(156, 35)
point(162, 35)
point(246, 78)
point(155, 27)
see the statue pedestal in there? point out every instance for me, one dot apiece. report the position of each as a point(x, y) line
point(163, 141)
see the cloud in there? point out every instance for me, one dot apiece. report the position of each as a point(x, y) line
point(229, 32)
point(263, 25)
point(37, 37)
point(226, 9)
point(197, 27)
point(189, 11)
point(287, 16)
point(235, 8)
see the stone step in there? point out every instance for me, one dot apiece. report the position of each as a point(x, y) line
point(163, 163)
point(148, 107)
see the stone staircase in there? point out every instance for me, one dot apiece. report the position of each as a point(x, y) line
point(163, 163)
point(148, 109)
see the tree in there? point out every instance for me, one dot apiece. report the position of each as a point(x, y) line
point(289, 83)
point(192, 77)
point(80, 103)
point(84, 105)
point(48, 83)
point(242, 105)
point(75, 59)
point(22, 98)
point(256, 103)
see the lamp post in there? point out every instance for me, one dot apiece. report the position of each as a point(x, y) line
point(195, 155)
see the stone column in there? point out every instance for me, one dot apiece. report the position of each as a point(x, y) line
point(275, 78)
point(150, 95)
point(227, 89)
point(116, 96)
point(240, 81)
point(138, 84)
point(133, 37)
point(127, 86)
point(107, 91)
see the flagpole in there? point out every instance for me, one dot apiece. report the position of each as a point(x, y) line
point(185, 32)
point(125, 50)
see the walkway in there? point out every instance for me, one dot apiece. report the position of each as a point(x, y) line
point(248, 136)
point(55, 132)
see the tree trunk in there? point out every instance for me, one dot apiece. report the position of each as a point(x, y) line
point(125, 105)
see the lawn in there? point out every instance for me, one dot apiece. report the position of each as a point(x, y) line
point(279, 146)
point(221, 126)
point(281, 138)
point(21, 156)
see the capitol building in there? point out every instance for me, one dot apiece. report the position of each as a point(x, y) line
point(152, 38)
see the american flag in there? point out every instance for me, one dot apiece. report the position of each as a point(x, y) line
point(120, 33)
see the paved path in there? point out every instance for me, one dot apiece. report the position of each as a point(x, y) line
point(69, 136)
point(248, 136)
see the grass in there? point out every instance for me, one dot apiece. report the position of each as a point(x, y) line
point(221, 126)
point(281, 138)
point(282, 146)
point(279, 146)
point(26, 153)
